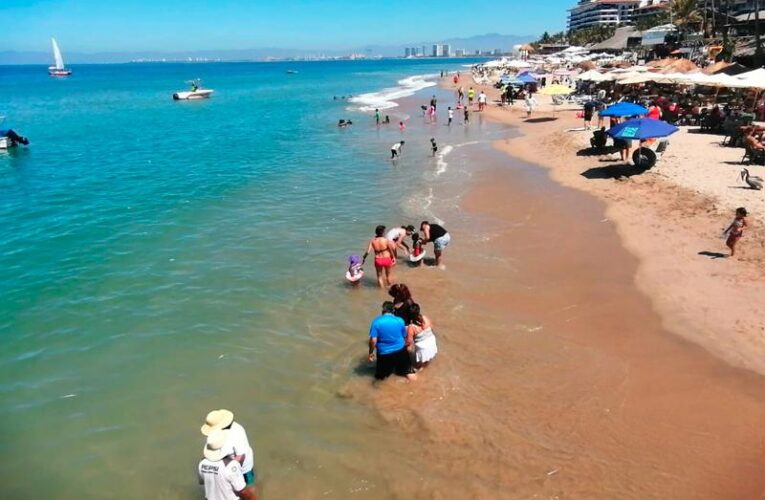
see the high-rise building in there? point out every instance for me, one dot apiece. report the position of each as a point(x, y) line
point(408, 52)
point(424, 51)
point(497, 52)
point(436, 50)
point(446, 50)
point(589, 13)
point(459, 53)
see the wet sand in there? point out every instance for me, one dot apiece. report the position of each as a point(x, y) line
point(556, 377)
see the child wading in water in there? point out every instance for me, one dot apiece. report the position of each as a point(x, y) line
point(736, 230)
point(416, 255)
point(433, 146)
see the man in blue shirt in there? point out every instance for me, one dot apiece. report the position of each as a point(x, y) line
point(387, 338)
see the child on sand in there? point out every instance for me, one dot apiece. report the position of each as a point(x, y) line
point(735, 231)
point(451, 115)
point(433, 146)
point(401, 126)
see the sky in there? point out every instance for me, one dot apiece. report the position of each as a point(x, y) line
point(177, 25)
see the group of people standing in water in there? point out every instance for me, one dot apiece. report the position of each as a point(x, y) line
point(385, 246)
point(401, 338)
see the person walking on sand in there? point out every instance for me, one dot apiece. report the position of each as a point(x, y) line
point(481, 101)
point(467, 116)
point(395, 150)
point(531, 104)
point(433, 146)
point(387, 346)
point(471, 96)
point(238, 442)
point(460, 95)
point(434, 102)
point(438, 235)
point(384, 251)
point(432, 114)
point(219, 472)
point(377, 117)
point(420, 338)
point(451, 115)
point(735, 230)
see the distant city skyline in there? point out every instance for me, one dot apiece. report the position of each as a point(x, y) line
point(94, 26)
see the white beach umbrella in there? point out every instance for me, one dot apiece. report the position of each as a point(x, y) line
point(594, 76)
point(753, 79)
point(518, 64)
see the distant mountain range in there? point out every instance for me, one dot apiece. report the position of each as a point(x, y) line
point(481, 42)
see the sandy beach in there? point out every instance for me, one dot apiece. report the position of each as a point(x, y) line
point(671, 218)
point(590, 350)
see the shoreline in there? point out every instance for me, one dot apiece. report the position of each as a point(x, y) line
point(667, 226)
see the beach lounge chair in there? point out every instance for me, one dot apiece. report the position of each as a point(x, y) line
point(756, 156)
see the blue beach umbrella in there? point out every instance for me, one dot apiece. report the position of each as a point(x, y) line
point(641, 129)
point(624, 109)
point(510, 80)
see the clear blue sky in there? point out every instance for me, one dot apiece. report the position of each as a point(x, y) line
point(169, 25)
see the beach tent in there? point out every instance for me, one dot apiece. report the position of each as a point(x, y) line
point(624, 109)
point(527, 78)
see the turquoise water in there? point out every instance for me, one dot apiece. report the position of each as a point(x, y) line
point(159, 259)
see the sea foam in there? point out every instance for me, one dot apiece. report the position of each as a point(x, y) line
point(385, 98)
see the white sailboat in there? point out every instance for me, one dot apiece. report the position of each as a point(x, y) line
point(58, 69)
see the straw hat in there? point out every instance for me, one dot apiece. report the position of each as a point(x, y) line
point(215, 447)
point(217, 419)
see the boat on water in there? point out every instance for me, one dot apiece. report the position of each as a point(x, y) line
point(58, 69)
point(196, 92)
point(292, 72)
point(9, 138)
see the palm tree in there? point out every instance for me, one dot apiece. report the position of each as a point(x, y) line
point(684, 13)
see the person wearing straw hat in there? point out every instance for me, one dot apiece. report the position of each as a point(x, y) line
point(219, 472)
point(240, 446)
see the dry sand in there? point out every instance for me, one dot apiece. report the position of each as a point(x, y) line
point(671, 218)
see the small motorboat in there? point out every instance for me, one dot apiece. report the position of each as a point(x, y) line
point(196, 92)
point(9, 138)
point(58, 69)
point(292, 72)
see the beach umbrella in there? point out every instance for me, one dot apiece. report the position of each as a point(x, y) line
point(642, 129)
point(554, 90)
point(624, 109)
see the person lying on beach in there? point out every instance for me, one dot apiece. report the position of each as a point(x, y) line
point(384, 251)
point(398, 235)
point(387, 346)
point(395, 150)
point(438, 235)
point(420, 338)
point(433, 146)
point(735, 230)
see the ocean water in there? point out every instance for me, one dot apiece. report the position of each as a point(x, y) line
point(159, 259)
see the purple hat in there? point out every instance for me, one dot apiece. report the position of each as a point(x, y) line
point(354, 259)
